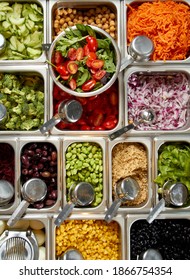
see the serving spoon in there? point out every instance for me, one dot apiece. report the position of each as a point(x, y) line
point(146, 116)
point(71, 254)
point(140, 49)
point(126, 189)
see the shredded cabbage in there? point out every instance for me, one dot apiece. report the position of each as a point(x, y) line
point(167, 95)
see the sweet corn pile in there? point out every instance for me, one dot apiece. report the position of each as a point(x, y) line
point(95, 239)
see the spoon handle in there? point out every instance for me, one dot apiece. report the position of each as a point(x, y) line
point(125, 62)
point(50, 124)
point(121, 131)
point(111, 212)
point(66, 211)
point(156, 211)
point(18, 213)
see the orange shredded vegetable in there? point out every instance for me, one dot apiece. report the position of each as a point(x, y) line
point(166, 23)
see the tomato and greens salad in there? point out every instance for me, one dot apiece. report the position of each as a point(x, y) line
point(83, 59)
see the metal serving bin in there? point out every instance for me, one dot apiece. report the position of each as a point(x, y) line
point(13, 142)
point(157, 143)
point(102, 144)
point(124, 10)
point(144, 206)
point(154, 71)
point(24, 225)
point(42, 58)
point(131, 219)
point(32, 70)
point(38, 140)
point(119, 219)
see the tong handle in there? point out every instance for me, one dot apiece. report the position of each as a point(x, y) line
point(50, 124)
point(156, 211)
point(121, 131)
point(18, 213)
point(111, 212)
point(66, 211)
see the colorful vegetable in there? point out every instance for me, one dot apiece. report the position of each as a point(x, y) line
point(167, 95)
point(167, 23)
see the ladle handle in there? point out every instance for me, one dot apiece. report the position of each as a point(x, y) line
point(66, 211)
point(18, 213)
point(156, 211)
point(112, 211)
point(50, 124)
point(125, 62)
point(121, 131)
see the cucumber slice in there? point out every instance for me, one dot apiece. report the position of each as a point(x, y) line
point(16, 21)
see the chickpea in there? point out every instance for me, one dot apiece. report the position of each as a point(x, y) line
point(80, 21)
point(98, 21)
point(104, 9)
point(65, 25)
point(99, 25)
point(98, 10)
point(70, 23)
point(81, 17)
point(112, 15)
point(74, 11)
point(113, 34)
point(75, 20)
point(68, 19)
point(69, 11)
point(112, 28)
point(105, 26)
point(64, 12)
point(112, 23)
point(62, 21)
point(107, 30)
point(103, 20)
point(99, 16)
point(85, 22)
point(91, 11)
point(106, 16)
point(90, 21)
point(72, 16)
point(86, 18)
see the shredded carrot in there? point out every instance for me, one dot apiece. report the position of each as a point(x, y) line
point(166, 23)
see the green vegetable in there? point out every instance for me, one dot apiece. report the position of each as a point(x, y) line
point(23, 97)
point(22, 26)
point(84, 163)
point(174, 164)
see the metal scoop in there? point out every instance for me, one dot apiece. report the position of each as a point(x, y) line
point(32, 191)
point(174, 194)
point(150, 254)
point(71, 254)
point(146, 116)
point(140, 49)
point(6, 192)
point(2, 44)
point(125, 189)
point(69, 111)
point(3, 115)
point(81, 194)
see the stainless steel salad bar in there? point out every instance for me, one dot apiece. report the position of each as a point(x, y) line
point(65, 182)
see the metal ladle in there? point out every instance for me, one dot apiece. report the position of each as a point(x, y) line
point(150, 254)
point(71, 254)
point(32, 191)
point(126, 189)
point(173, 194)
point(81, 194)
point(69, 111)
point(140, 50)
point(146, 116)
point(6, 192)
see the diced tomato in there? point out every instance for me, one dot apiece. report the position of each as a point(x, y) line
point(72, 54)
point(88, 85)
point(58, 58)
point(79, 54)
point(98, 75)
point(113, 97)
point(66, 77)
point(97, 64)
point(61, 125)
point(82, 100)
point(61, 69)
point(110, 122)
point(72, 67)
point(92, 43)
point(97, 119)
point(85, 127)
point(81, 121)
point(86, 50)
point(73, 84)
point(98, 128)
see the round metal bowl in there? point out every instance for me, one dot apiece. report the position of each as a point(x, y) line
point(90, 93)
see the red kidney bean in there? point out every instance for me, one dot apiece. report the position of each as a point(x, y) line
point(40, 160)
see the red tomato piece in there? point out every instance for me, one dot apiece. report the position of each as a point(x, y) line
point(79, 54)
point(92, 56)
point(110, 122)
point(72, 54)
point(61, 125)
point(97, 119)
point(82, 100)
point(97, 64)
point(61, 69)
point(92, 43)
point(113, 97)
point(88, 85)
point(72, 67)
point(73, 84)
point(65, 78)
point(85, 127)
point(98, 75)
point(86, 50)
point(98, 128)
point(58, 58)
